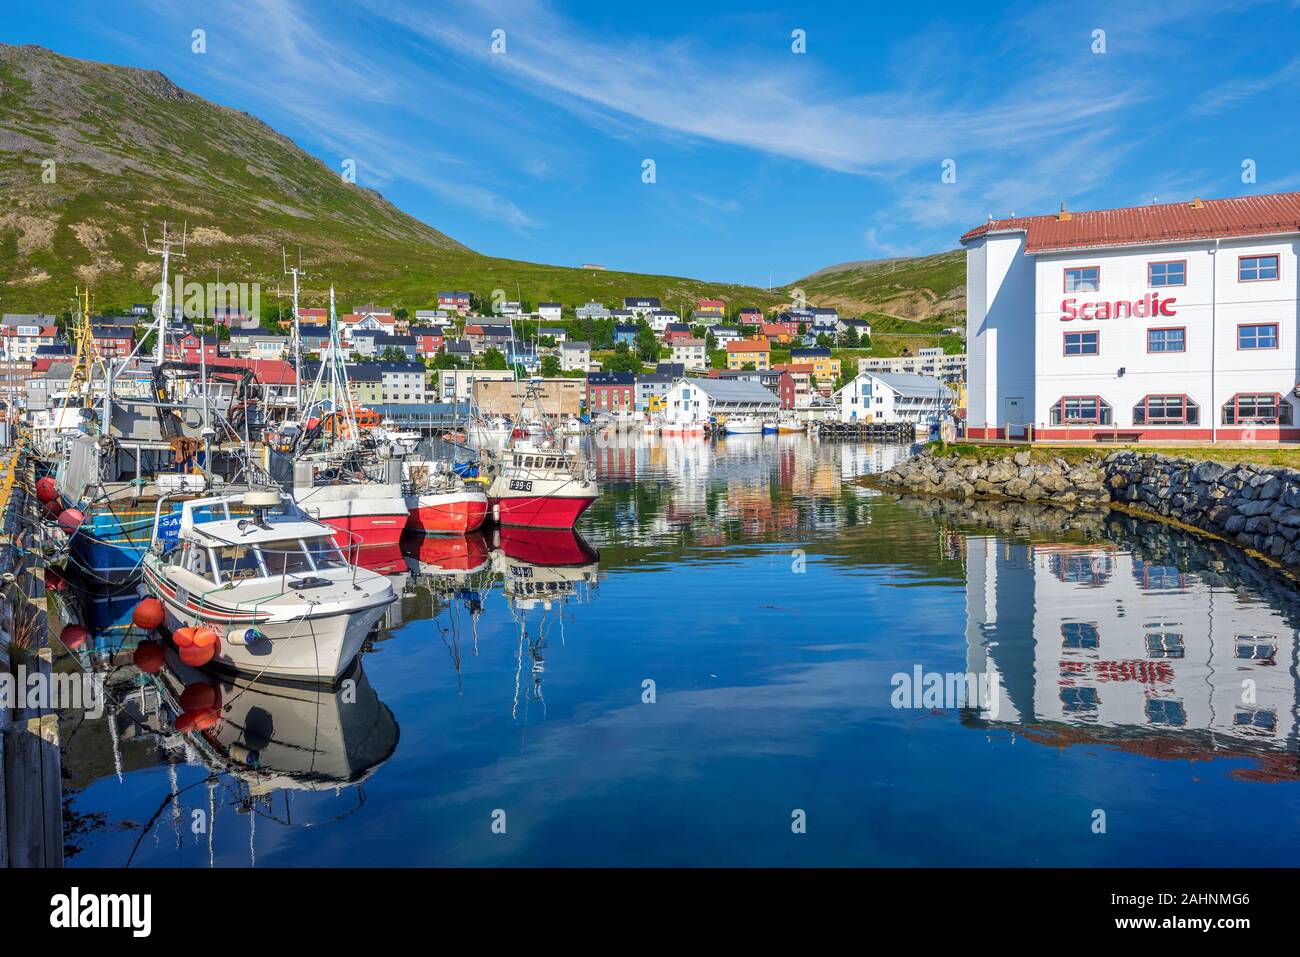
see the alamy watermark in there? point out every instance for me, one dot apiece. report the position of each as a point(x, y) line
point(46, 691)
point(954, 689)
point(214, 299)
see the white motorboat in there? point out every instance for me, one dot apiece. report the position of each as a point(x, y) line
point(489, 433)
point(743, 425)
point(684, 427)
point(269, 580)
point(404, 442)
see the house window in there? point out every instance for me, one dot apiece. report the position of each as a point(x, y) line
point(1081, 410)
point(1166, 711)
point(1257, 336)
point(1082, 343)
point(1166, 410)
point(1257, 268)
point(1167, 340)
point(1083, 279)
point(1256, 409)
point(1165, 644)
point(1167, 274)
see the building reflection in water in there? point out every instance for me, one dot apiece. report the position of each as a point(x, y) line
point(1165, 654)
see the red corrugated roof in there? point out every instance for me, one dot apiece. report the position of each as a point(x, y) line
point(268, 371)
point(1167, 222)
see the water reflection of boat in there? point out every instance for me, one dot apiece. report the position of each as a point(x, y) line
point(277, 736)
point(445, 554)
point(543, 566)
point(545, 546)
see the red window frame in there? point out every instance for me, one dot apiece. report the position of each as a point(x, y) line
point(1167, 262)
point(1186, 399)
point(1236, 409)
point(1080, 332)
point(1060, 404)
point(1066, 269)
point(1277, 260)
point(1162, 352)
point(1277, 333)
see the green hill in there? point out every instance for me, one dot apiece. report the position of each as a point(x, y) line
point(920, 288)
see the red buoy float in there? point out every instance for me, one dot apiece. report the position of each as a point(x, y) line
point(47, 490)
point(70, 519)
point(205, 638)
point(197, 657)
point(148, 657)
point(200, 696)
point(73, 636)
point(53, 580)
point(148, 614)
point(52, 508)
point(183, 637)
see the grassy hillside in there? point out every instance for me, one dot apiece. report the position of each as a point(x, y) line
point(130, 148)
point(925, 287)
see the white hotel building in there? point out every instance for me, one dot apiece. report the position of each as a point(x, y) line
point(1176, 321)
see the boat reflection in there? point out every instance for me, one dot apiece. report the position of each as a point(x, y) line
point(539, 571)
point(1171, 647)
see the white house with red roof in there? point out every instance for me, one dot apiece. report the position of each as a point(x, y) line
point(20, 342)
point(1176, 321)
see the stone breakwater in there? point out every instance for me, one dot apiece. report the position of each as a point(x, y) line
point(1014, 478)
point(1252, 506)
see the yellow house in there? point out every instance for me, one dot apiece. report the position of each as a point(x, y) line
point(755, 352)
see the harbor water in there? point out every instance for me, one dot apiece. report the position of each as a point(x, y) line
point(745, 659)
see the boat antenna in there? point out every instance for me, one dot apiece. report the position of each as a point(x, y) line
point(166, 249)
point(295, 346)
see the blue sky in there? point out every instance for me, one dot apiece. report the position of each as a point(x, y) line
point(767, 162)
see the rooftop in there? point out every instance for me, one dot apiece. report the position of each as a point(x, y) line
point(1274, 214)
point(748, 345)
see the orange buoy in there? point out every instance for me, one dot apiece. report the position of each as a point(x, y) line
point(203, 720)
point(70, 519)
point(197, 657)
point(73, 636)
point(148, 614)
point(200, 696)
point(148, 657)
point(183, 637)
point(47, 490)
point(205, 638)
point(185, 722)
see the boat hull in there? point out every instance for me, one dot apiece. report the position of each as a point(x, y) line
point(367, 515)
point(310, 648)
point(540, 511)
point(453, 513)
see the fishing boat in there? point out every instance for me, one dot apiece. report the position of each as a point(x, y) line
point(787, 423)
point(537, 484)
point(489, 432)
point(743, 425)
point(366, 512)
point(269, 581)
point(684, 427)
point(770, 427)
point(440, 500)
point(534, 481)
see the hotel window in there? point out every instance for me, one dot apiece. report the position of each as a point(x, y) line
point(1256, 268)
point(1079, 634)
point(1167, 274)
point(1166, 410)
point(1256, 648)
point(1257, 336)
point(1164, 644)
point(1082, 343)
point(1083, 279)
point(1261, 721)
point(1167, 340)
point(1167, 711)
point(1081, 410)
point(1261, 409)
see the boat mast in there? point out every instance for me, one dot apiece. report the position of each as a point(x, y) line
point(161, 305)
point(295, 347)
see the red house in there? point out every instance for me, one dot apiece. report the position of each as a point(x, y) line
point(113, 340)
point(428, 339)
point(199, 348)
point(610, 392)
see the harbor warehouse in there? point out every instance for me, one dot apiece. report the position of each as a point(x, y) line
point(698, 399)
point(1175, 321)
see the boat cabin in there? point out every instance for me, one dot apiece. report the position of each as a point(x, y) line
point(225, 542)
point(527, 459)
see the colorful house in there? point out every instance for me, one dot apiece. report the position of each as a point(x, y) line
point(749, 352)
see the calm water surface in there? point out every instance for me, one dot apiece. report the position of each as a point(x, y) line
point(765, 605)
